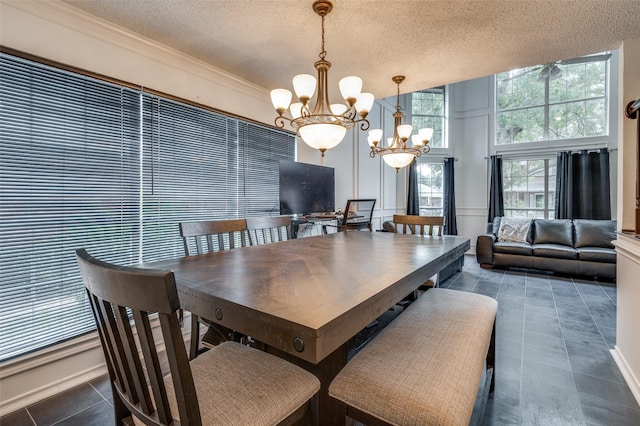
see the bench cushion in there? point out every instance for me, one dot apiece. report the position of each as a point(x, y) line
point(425, 367)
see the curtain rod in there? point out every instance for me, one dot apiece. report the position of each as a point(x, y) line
point(520, 154)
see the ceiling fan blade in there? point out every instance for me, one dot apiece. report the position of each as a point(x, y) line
point(523, 73)
point(583, 59)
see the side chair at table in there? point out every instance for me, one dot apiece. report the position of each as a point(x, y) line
point(209, 236)
point(268, 229)
point(231, 384)
point(420, 225)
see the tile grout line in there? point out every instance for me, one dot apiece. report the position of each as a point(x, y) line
point(564, 343)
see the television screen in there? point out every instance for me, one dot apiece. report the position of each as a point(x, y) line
point(306, 188)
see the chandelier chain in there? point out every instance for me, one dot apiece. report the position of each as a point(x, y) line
point(323, 52)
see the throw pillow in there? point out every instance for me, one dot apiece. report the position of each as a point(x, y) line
point(514, 229)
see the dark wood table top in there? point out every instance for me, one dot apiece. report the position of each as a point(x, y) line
point(309, 296)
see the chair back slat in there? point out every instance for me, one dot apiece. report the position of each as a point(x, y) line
point(122, 297)
point(418, 224)
point(152, 363)
point(268, 229)
point(209, 236)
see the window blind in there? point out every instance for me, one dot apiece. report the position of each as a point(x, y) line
point(68, 179)
point(86, 163)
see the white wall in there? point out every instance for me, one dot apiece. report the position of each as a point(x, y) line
point(471, 131)
point(627, 349)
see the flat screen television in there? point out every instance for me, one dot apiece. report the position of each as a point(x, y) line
point(306, 188)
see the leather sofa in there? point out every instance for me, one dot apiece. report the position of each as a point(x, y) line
point(574, 247)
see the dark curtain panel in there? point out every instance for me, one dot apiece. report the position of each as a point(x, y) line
point(583, 185)
point(496, 197)
point(413, 200)
point(449, 205)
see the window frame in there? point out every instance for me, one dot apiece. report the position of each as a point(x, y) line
point(547, 209)
point(406, 102)
point(555, 145)
point(424, 210)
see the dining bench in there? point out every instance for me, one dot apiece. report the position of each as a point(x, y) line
point(428, 366)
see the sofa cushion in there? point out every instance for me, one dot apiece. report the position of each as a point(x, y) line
point(558, 231)
point(596, 254)
point(554, 250)
point(594, 233)
point(508, 247)
point(514, 229)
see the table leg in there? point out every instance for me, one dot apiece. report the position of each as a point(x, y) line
point(331, 411)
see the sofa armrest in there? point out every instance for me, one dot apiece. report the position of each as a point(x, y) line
point(484, 248)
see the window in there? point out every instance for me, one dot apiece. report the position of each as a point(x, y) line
point(556, 101)
point(430, 188)
point(428, 110)
point(86, 163)
point(529, 188)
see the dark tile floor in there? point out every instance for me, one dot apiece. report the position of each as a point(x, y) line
point(553, 365)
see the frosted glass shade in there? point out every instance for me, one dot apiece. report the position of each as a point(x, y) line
point(350, 87)
point(304, 85)
point(426, 133)
point(417, 140)
point(404, 131)
point(376, 134)
point(338, 109)
point(280, 98)
point(296, 109)
point(398, 160)
point(323, 135)
point(370, 141)
point(364, 103)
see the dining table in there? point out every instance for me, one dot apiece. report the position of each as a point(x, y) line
point(306, 299)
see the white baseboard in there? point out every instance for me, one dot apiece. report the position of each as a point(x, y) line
point(627, 373)
point(51, 389)
point(41, 375)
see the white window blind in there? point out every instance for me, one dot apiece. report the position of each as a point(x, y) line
point(87, 163)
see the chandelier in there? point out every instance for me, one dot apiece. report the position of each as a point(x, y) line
point(397, 154)
point(324, 126)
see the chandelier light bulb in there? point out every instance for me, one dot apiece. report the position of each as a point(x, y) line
point(350, 88)
point(305, 86)
point(372, 142)
point(426, 134)
point(280, 98)
point(296, 109)
point(404, 131)
point(376, 134)
point(338, 109)
point(398, 160)
point(322, 136)
point(364, 103)
point(417, 140)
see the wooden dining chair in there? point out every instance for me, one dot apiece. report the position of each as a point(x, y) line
point(420, 225)
point(231, 384)
point(268, 229)
point(209, 236)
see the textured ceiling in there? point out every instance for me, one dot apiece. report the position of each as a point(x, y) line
point(431, 42)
